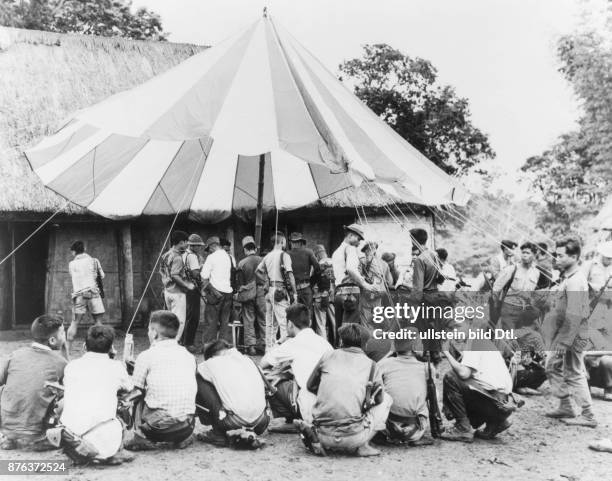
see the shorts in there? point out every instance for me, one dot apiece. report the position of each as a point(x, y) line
point(80, 305)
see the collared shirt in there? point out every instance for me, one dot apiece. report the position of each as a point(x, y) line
point(572, 308)
point(525, 280)
point(405, 380)
point(340, 381)
point(191, 260)
point(166, 371)
point(238, 382)
point(498, 263)
point(172, 265)
point(83, 271)
point(597, 274)
point(91, 384)
point(303, 352)
point(218, 268)
point(303, 261)
point(488, 367)
point(271, 264)
point(344, 258)
point(23, 397)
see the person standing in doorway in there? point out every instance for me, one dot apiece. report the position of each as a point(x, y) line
point(86, 274)
point(216, 284)
point(193, 266)
point(174, 278)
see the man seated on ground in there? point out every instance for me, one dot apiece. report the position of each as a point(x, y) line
point(91, 430)
point(476, 391)
point(351, 405)
point(405, 379)
point(24, 400)
point(599, 370)
point(166, 374)
point(231, 395)
point(300, 353)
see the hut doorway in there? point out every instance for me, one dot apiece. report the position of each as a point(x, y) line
point(30, 273)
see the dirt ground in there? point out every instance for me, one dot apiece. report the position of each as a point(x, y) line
point(535, 448)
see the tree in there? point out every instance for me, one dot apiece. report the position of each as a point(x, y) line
point(108, 18)
point(404, 92)
point(573, 177)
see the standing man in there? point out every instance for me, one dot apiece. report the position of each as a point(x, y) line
point(216, 284)
point(323, 295)
point(349, 281)
point(569, 319)
point(448, 272)
point(174, 278)
point(86, 295)
point(389, 258)
point(304, 265)
point(516, 284)
point(193, 266)
point(504, 259)
point(252, 298)
point(276, 271)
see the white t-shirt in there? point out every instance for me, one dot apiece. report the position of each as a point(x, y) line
point(218, 268)
point(489, 369)
point(238, 383)
point(91, 384)
point(303, 351)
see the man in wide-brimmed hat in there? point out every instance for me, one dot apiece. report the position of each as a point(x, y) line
point(305, 266)
point(193, 265)
point(349, 281)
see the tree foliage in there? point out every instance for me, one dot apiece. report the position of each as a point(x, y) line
point(405, 93)
point(108, 18)
point(573, 177)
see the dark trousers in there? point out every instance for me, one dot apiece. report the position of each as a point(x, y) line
point(304, 296)
point(464, 404)
point(192, 319)
point(346, 308)
point(216, 320)
point(533, 376)
point(601, 374)
point(284, 403)
point(208, 398)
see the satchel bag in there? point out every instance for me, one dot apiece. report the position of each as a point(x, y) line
point(247, 292)
point(212, 295)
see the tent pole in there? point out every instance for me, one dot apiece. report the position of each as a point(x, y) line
point(259, 212)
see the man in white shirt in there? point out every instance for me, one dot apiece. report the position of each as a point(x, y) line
point(217, 288)
point(301, 352)
point(476, 391)
point(232, 393)
point(166, 374)
point(91, 385)
point(515, 285)
point(349, 281)
point(269, 272)
point(86, 295)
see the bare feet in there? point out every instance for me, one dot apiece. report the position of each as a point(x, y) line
point(366, 450)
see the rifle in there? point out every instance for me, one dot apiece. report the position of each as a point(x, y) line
point(597, 297)
point(435, 417)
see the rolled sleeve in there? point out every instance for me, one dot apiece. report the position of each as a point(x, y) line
point(141, 369)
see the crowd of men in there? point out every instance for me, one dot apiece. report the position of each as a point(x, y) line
point(322, 374)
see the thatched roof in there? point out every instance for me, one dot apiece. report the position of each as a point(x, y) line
point(46, 76)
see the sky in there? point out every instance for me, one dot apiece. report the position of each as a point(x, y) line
point(500, 54)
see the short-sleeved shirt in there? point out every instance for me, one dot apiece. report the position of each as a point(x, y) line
point(572, 308)
point(83, 271)
point(23, 396)
point(344, 258)
point(218, 269)
point(405, 380)
point(344, 375)
point(489, 369)
point(525, 280)
point(92, 381)
point(166, 371)
point(247, 267)
point(238, 383)
point(303, 262)
point(271, 264)
point(172, 265)
point(191, 260)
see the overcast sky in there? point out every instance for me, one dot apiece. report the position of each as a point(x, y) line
point(500, 54)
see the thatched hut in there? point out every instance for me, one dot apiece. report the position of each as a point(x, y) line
point(46, 76)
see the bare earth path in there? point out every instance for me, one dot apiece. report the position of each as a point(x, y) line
point(535, 448)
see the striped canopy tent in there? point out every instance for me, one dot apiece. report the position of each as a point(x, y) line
point(254, 117)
